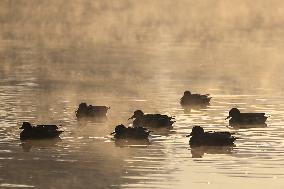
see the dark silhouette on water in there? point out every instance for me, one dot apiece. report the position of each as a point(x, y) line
point(85, 110)
point(201, 138)
point(39, 131)
point(190, 99)
point(151, 120)
point(122, 132)
point(238, 118)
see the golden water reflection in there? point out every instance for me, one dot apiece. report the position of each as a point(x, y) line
point(87, 156)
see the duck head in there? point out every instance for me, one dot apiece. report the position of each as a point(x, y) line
point(83, 105)
point(186, 93)
point(26, 125)
point(119, 129)
point(196, 130)
point(137, 114)
point(234, 112)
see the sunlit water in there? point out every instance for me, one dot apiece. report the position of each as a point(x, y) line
point(46, 85)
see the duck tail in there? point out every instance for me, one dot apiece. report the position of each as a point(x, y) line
point(234, 138)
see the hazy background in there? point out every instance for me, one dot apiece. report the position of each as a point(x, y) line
point(82, 22)
point(230, 33)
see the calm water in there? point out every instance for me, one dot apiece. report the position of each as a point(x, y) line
point(46, 85)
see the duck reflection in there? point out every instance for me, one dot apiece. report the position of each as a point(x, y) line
point(162, 131)
point(247, 126)
point(83, 120)
point(27, 145)
point(187, 109)
point(200, 151)
point(131, 143)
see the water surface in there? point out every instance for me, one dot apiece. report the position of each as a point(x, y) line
point(49, 92)
point(50, 62)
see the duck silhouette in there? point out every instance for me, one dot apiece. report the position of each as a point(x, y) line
point(85, 110)
point(151, 120)
point(201, 138)
point(122, 132)
point(238, 118)
point(190, 99)
point(39, 131)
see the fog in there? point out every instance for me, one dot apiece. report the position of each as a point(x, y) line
point(116, 43)
point(83, 22)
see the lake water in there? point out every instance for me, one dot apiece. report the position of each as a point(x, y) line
point(51, 60)
point(46, 85)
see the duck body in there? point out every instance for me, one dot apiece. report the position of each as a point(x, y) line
point(39, 131)
point(85, 110)
point(122, 132)
point(189, 99)
point(151, 120)
point(201, 138)
point(238, 118)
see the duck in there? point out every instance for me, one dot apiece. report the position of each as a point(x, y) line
point(39, 131)
point(85, 110)
point(190, 99)
point(123, 132)
point(238, 118)
point(151, 120)
point(201, 138)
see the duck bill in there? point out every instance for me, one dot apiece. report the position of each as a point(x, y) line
point(227, 117)
point(21, 127)
point(131, 117)
point(189, 135)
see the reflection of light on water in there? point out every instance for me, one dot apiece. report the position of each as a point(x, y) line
point(16, 185)
point(87, 154)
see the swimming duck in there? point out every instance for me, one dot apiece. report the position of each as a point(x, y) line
point(39, 131)
point(122, 132)
point(85, 110)
point(201, 138)
point(245, 118)
point(190, 99)
point(151, 120)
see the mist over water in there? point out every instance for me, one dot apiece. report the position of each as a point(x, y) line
point(140, 55)
point(81, 22)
